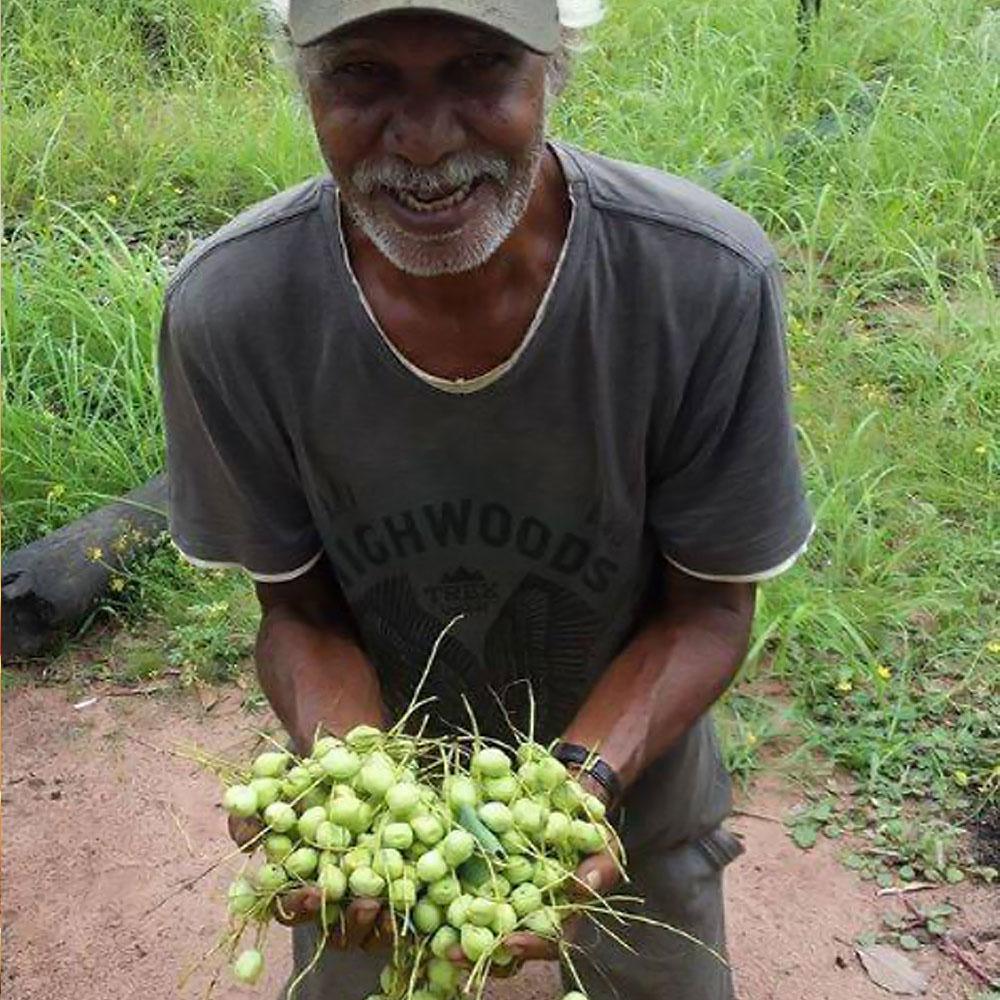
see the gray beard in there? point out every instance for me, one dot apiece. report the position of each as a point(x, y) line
point(509, 185)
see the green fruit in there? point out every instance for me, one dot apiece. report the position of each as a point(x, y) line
point(594, 808)
point(460, 791)
point(358, 857)
point(503, 789)
point(309, 822)
point(458, 847)
point(241, 898)
point(271, 764)
point(427, 916)
point(551, 773)
point(323, 746)
point(377, 775)
point(363, 737)
point(344, 812)
point(397, 835)
point(549, 874)
point(481, 912)
point(297, 782)
point(495, 887)
point(530, 752)
point(528, 775)
point(519, 869)
point(443, 976)
point(543, 922)
point(432, 867)
point(476, 941)
point(302, 863)
point(402, 799)
point(505, 920)
point(491, 762)
point(528, 815)
point(240, 800)
point(277, 847)
point(271, 878)
point(445, 938)
point(445, 890)
point(458, 910)
point(429, 829)
point(394, 982)
point(280, 817)
point(403, 893)
point(248, 967)
point(496, 816)
point(340, 764)
point(388, 863)
point(526, 899)
point(331, 837)
point(315, 798)
point(332, 882)
point(586, 837)
point(267, 790)
point(515, 842)
point(568, 797)
point(557, 828)
point(366, 884)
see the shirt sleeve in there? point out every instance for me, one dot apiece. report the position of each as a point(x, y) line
point(727, 500)
point(235, 499)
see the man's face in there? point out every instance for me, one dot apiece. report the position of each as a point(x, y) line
point(434, 131)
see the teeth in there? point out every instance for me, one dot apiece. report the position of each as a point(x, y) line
point(435, 205)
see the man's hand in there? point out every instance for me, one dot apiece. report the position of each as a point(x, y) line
point(245, 831)
point(366, 924)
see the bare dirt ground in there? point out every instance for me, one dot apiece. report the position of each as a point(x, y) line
point(104, 822)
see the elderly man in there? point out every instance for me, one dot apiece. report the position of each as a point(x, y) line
point(476, 371)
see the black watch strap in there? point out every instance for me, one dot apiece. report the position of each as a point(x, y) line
point(598, 768)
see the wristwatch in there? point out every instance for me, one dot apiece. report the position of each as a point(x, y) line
point(594, 766)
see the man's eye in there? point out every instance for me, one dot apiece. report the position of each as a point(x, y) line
point(481, 62)
point(356, 70)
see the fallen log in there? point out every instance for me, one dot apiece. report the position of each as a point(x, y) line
point(52, 584)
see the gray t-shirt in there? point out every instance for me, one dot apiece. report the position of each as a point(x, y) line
point(645, 417)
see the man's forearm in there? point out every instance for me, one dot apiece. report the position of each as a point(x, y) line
point(674, 669)
point(310, 661)
point(313, 677)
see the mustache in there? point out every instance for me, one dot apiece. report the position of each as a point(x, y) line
point(457, 171)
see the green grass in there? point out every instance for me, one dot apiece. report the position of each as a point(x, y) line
point(131, 126)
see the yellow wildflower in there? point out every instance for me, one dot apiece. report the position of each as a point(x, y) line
point(980, 449)
point(993, 647)
point(112, 199)
point(95, 553)
point(117, 584)
point(961, 779)
point(845, 686)
point(751, 738)
point(883, 671)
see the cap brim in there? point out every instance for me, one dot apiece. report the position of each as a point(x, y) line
point(311, 20)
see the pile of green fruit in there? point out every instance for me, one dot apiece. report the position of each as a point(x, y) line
point(463, 842)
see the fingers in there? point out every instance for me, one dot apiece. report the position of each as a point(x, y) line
point(361, 928)
point(530, 947)
point(597, 875)
point(245, 831)
point(298, 906)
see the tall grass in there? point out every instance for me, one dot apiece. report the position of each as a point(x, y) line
point(131, 125)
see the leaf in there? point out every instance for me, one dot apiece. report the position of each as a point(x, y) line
point(805, 836)
point(891, 970)
point(908, 942)
point(954, 876)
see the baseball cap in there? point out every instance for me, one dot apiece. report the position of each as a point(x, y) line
point(534, 23)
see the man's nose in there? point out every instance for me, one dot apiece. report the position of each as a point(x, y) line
point(424, 130)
